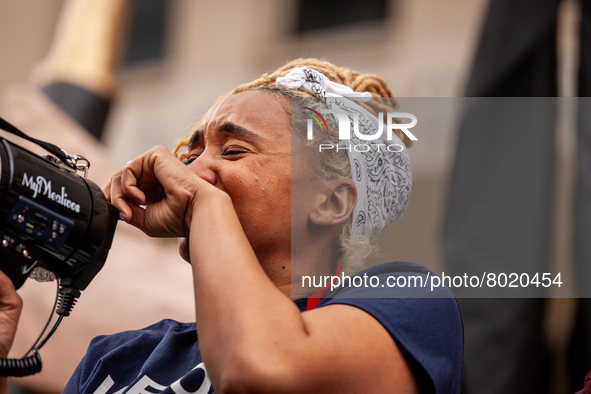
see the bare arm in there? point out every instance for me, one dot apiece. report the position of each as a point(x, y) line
point(254, 339)
point(252, 336)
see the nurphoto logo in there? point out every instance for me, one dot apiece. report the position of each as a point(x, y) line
point(344, 125)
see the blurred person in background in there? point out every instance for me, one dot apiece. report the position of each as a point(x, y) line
point(500, 198)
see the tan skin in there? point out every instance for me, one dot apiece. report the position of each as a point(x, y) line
point(233, 203)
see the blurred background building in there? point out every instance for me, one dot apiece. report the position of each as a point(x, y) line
point(183, 54)
point(188, 53)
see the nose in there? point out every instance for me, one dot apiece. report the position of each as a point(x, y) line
point(205, 168)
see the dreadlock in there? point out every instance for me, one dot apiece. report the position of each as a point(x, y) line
point(332, 164)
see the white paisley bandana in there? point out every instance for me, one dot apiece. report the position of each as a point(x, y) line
point(383, 178)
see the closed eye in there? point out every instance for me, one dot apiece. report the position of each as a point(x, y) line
point(232, 151)
point(192, 157)
point(189, 160)
point(229, 151)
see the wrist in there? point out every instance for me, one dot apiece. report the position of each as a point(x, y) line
point(205, 201)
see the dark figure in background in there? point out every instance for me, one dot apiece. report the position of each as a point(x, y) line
point(500, 199)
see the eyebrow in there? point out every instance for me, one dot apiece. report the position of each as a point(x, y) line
point(230, 128)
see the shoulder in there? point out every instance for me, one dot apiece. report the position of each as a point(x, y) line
point(424, 320)
point(152, 334)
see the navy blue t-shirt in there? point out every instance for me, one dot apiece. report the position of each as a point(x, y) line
point(426, 325)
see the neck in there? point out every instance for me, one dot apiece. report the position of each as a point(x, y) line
point(309, 277)
point(278, 268)
point(311, 256)
point(286, 273)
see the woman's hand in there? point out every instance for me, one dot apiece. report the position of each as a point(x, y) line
point(10, 310)
point(165, 185)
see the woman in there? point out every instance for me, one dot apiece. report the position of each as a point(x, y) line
point(252, 204)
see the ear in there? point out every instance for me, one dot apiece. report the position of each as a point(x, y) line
point(336, 205)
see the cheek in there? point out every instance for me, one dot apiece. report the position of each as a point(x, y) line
point(261, 198)
point(267, 197)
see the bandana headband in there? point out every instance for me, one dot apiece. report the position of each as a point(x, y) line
point(383, 178)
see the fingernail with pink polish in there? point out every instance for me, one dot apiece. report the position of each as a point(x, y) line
point(122, 216)
point(138, 201)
